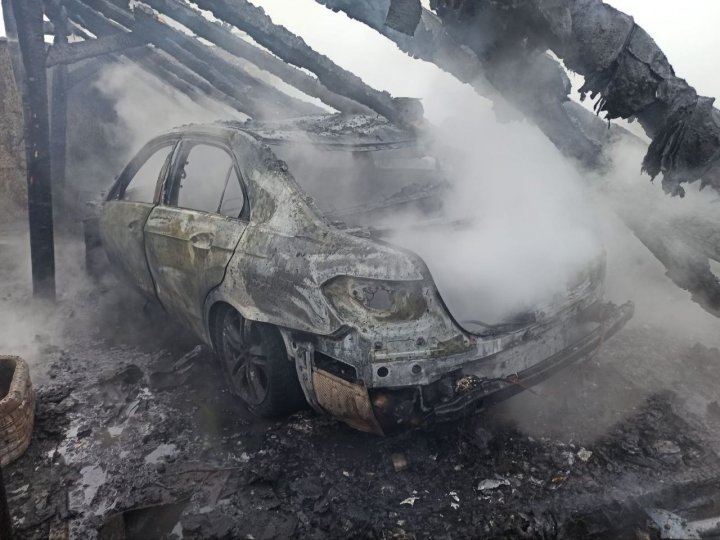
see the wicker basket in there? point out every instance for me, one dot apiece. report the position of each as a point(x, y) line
point(17, 408)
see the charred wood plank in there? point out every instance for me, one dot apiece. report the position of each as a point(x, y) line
point(225, 39)
point(68, 53)
point(29, 20)
point(294, 50)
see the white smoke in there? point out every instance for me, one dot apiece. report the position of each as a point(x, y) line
point(533, 222)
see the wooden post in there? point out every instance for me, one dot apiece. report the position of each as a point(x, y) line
point(58, 112)
point(29, 23)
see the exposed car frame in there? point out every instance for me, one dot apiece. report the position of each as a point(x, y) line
point(375, 363)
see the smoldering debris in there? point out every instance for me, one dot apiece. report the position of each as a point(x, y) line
point(88, 471)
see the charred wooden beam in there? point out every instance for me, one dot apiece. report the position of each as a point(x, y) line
point(58, 108)
point(29, 20)
point(182, 78)
point(537, 86)
point(73, 29)
point(93, 20)
point(294, 50)
point(260, 99)
point(68, 53)
point(225, 39)
point(152, 60)
point(623, 67)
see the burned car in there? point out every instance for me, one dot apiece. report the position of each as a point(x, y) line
point(305, 301)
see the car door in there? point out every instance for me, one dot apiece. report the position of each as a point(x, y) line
point(128, 207)
point(192, 234)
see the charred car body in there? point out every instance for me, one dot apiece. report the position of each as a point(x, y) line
point(303, 304)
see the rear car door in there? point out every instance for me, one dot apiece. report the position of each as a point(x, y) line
point(127, 209)
point(192, 234)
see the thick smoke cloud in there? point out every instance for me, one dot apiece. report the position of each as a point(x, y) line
point(533, 224)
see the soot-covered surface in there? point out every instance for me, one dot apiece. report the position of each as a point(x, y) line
point(136, 437)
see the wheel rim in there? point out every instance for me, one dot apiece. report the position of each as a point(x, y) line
point(245, 358)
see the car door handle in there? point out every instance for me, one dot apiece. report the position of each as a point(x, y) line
point(202, 240)
point(134, 225)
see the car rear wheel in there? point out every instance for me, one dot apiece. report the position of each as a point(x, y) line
point(256, 365)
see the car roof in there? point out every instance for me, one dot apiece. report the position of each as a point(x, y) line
point(334, 131)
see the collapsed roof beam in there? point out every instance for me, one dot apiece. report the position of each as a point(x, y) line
point(152, 60)
point(623, 68)
point(224, 38)
point(258, 99)
point(69, 53)
point(541, 99)
point(170, 72)
point(158, 62)
point(261, 99)
point(294, 50)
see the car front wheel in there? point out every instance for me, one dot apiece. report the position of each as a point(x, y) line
point(256, 365)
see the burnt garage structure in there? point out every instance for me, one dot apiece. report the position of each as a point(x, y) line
point(500, 50)
point(509, 66)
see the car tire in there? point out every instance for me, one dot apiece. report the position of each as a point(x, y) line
point(256, 365)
